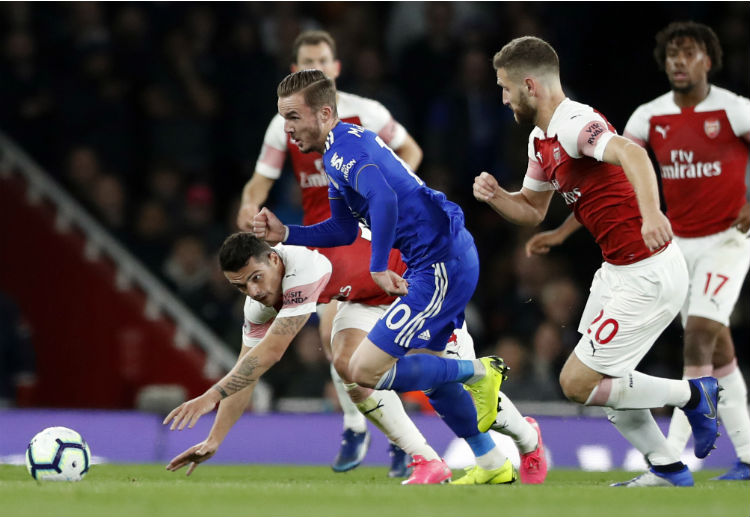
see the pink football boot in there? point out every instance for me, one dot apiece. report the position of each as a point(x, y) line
point(534, 464)
point(430, 472)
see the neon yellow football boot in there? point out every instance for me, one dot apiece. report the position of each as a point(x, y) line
point(486, 391)
point(478, 476)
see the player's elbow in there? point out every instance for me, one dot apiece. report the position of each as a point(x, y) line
point(348, 232)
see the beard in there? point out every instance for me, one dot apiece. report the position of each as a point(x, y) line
point(525, 114)
point(312, 137)
point(685, 88)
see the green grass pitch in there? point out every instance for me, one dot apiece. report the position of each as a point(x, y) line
point(149, 490)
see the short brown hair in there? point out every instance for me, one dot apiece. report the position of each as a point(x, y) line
point(239, 248)
point(702, 34)
point(316, 87)
point(312, 38)
point(527, 53)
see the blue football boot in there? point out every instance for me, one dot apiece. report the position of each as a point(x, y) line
point(353, 450)
point(703, 418)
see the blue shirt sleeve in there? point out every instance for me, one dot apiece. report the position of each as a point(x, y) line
point(382, 201)
point(338, 230)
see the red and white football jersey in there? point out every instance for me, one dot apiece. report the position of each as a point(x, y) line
point(702, 154)
point(310, 279)
point(308, 168)
point(351, 279)
point(306, 274)
point(568, 159)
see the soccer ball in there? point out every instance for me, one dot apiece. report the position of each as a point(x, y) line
point(58, 454)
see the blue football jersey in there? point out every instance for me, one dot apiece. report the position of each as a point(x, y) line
point(428, 227)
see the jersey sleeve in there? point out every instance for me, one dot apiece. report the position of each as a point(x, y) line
point(378, 119)
point(584, 133)
point(258, 319)
point(272, 154)
point(638, 125)
point(739, 116)
point(306, 274)
point(535, 179)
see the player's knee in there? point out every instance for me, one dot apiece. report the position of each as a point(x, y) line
point(341, 365)
point(572, 389)
point(361, 373)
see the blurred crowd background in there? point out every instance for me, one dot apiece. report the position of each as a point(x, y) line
point(153, 114)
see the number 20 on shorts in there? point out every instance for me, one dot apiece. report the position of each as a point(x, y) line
point(605, 330)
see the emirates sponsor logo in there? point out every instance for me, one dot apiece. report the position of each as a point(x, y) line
point(683, 167)
point(312, 180)
point(712, 126)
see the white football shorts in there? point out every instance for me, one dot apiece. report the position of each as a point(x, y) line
point(628, 308)
point(717, 265)
point(351, 315)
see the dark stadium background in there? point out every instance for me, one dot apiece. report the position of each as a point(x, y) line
point(99, 94)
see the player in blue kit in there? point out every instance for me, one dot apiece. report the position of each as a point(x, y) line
point(370, 184)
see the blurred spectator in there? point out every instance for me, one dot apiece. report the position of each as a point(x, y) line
point(427, 61)
point(187, 269)
point(151, 232)
point(17, 363)
point(26, 100)
point(82, 171)
point(561, 305)
point(198, 216)
point(548, 359)
point(109, 200)
point(181, 104)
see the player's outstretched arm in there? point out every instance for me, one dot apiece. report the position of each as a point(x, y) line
point(254, 194)
point(656, 228)
point(245, 373)
point(526, 207)
point(230, 410)
point(541, 243)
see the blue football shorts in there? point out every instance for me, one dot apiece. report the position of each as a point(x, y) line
point(433, 307)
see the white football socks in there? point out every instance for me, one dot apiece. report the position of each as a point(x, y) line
point(732, 409)
point(511, 423)
point(353, 419)
point(640, 429)
point(384, 409)
point(637, 390)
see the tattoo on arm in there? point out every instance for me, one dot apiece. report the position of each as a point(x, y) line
point(221, 391)
point(245, 370)
point(288, 326)
point(243, 378)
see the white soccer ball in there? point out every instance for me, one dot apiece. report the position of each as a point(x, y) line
point(58, 454)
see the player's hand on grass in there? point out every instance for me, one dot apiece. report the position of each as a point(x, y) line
point(189, 412)
point(245, 216)
point(268, 227)
point(390, 282)
point(485, 187)
point(196, 454)
point(656, 230)
point(541, 243)
point(743, 219)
